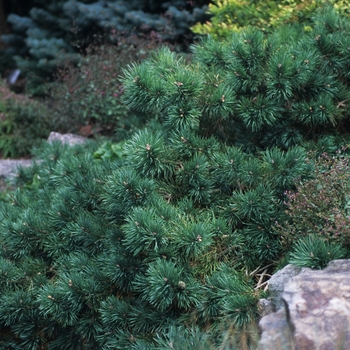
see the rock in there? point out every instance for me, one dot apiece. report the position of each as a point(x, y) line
point(8, 167)
point(277, 333)
point(265, 307)
point(8, 170)
point(277, 283)
point(314, 310)
point(70, 139)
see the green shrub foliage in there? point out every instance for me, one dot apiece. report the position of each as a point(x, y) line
point(252, 91)
point(23, 126)
point(311, 251)
point(113, 255)
point(234, 15)
point(164, 240)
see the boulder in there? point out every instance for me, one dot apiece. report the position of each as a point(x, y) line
point(312, 309)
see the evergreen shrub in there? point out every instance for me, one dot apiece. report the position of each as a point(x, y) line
point(171, 240)
point(101, 255)
point(313, 252)
point(234, 15)
point(253, 91)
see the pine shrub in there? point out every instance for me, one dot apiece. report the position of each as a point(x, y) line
point(100, 254)
point(252, 91)
point(311, 251)
point(166, 237)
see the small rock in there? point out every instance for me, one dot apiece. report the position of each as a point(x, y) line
point(265, 307)
point(277, 283)
point(70, 139)
point(8, 170)
point(8, 167)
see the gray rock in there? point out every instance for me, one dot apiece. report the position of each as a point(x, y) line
point(315, 311)
point(277, 333)
point(277, 283)
point(265, 307)
point(8, 167)
point(70, 139)
point(8, 170)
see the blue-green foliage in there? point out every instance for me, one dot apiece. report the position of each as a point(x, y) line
point(120, 254)
point(314, 252)
point(54, 32)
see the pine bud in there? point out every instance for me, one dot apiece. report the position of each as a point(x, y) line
point(181, 285)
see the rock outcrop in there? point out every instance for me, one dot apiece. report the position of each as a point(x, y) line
point(312, 309)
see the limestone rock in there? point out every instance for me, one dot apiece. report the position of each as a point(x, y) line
point(70, 139)
point(315, 311)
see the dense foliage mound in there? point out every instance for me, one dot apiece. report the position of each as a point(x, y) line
point(253, 91)
point(164, 240)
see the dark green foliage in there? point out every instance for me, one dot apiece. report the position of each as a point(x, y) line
point(139, 245)
point(252, 90)
point(312, 251)
point(159, 242)
point(184, 339)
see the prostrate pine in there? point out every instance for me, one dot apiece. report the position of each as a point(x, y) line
point(167, 241)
